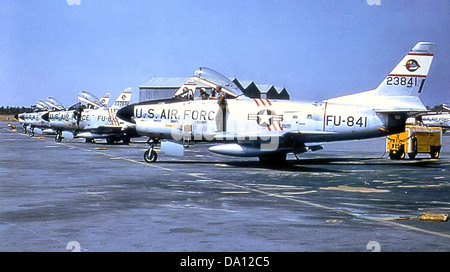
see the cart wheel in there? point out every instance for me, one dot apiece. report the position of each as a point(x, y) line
point(435, 151)
point(397, 154)
point(413, 154)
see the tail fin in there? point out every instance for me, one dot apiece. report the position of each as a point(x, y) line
point(105, 99)
point(399, 91)
point(409, 75)
point(123, 99)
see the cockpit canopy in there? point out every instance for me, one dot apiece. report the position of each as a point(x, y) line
point(41, 106)
point(90, 99)
point(214, 79)
point(55, 104)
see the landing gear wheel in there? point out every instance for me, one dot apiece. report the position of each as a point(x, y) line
point(31, 134)
point(58, 137)
point(150, 155)
point(126, 140)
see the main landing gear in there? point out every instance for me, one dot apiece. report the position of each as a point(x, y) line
point(31, 133)
point(150, 155)
point(58, 136)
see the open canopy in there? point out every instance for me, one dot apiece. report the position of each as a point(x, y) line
point(90, 99)
point(55, 104)
point(214, 79)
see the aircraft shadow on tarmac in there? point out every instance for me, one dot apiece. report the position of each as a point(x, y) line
point(304, 164)
point(307, 165)
point(422, 162)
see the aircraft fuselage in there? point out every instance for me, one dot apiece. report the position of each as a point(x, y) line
point(88, 119)
point(202, 120)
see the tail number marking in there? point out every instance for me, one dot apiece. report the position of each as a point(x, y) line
point(350, 121)
point(403, 81)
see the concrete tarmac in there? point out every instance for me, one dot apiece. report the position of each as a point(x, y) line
point(97, 197)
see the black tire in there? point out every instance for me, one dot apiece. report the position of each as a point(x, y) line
point(397, 154)
point(413, 154)
point(150, 156)
point(126, 140)
point(435, 152)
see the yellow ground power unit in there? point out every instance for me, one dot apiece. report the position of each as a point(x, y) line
point(415, 140)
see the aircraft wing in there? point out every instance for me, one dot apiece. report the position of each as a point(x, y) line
point(109, 129)
point(248, 135)
point(306, 137)
point(408, 112)
point(270, 142)
point(279, 136)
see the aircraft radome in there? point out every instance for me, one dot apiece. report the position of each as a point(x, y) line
point(269, 129)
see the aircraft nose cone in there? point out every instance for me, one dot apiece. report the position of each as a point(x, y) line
point(20, 117)
point(126, 113)
point(45, 116)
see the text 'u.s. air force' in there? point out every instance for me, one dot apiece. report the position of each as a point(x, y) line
point(174, 114)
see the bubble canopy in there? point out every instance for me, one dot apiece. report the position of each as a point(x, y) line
point(55, 104)
point(90, 99)
point(215, 79)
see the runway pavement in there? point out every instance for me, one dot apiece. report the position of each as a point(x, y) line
point(99, 197)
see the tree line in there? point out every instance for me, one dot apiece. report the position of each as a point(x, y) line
point(13, 110)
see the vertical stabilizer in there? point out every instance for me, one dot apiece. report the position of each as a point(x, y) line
point(105, 99)
point(123, 99)
point(400, 90)
point(408, 77)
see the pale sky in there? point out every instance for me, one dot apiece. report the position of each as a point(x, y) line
point(317, 49)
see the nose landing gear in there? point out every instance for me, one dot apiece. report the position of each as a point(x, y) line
point(150, 155)
point(58, 136)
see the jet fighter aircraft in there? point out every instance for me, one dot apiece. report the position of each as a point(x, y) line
point(38, 118)
point(269, 129)
point(32, 120)
point(438, 119)
point(93, 120)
